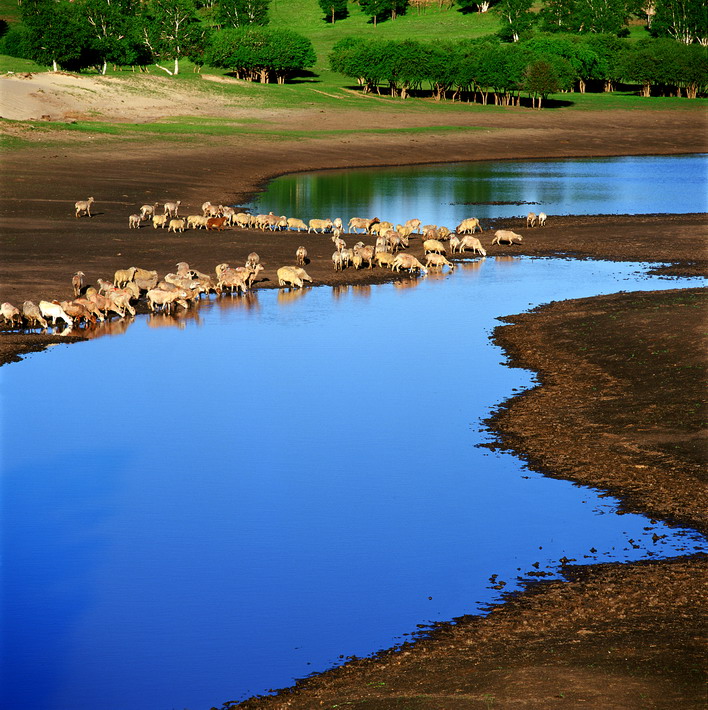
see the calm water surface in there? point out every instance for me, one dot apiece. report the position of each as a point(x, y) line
point(446, 194)
point(193, 515)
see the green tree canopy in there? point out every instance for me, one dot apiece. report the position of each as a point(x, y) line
point(516, 18)
point(241, 13)
point(256, 53)
point(334, 9)
point(684, 20)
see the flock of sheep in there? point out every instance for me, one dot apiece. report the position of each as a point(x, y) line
point(185, 286)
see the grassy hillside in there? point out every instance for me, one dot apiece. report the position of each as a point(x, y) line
point(305, 16)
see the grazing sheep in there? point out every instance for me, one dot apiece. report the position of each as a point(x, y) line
point(176, 225)
point(233, 280)
point(434, 261)
point(383, 258)
point(531, 219)
point(166, 299)
point(159, 220)
point(414, 225)
point(506, 236)
point(92, 308)
point(324, 225)
point(196, 221)
point(301, 256)
point(404, 230)
point(468, 226)
point(105, 286)
point(144, 279)
point(83, 207)
point(366, 254)
point(542, 217)
point(78, 312)
point(172, 208)
point(213, 211)
point(182, 269)
point(252, 259)
point(53, 310)
point(214, 224)
point(433, 246)
point(409, 262)
point(381, 245)
point(356, 223)
point(337, 224)
point(134, 221)
point(205, 206)
point(295, 223)
point(347, 256)
point(241, 219)
point(288, 276)
point(77, 282)
point(339, 244)
point(122, 276)
point(337, 261)
point(121, 300)
point(470, 242)
point(302, 273)
point(454, 243)
point(103, 303)
point(10, 314)
point(148, 211)
point(32, 315)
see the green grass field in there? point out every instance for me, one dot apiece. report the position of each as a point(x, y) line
point(321, 87)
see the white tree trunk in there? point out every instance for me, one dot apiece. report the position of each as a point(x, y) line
point(176, 66)
point(164, 69)
point(55, 66)
point(103, 69)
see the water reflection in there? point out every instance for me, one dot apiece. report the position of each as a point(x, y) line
point(361, 290)
point(446, 194)
point(288, 296)
point(260, 543)
point(246, 301)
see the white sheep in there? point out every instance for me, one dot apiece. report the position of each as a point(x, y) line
point(301, 256)
point(409, 262)
point(337, 261)
point(252, 259)
point(159, 220)
point(122, 276)
point(531, 219)
point(434, 261)
point(176, 225)
point(77, 282)
point(433, 246)
point(10, 313)
point(288, 276)
point(324, 225)
point(470, 242)
point(383, 258)
point(542, 217)
point(83, 207)
point(32, 315)
point(53, 310)
point(171, 209)
point(148, 211)
point(414, 224)
point(468, 226)
point(295, 223)
point(506, 236)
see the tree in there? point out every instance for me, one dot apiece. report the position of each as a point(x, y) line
point(559, 16)
point(609, 50)
point(516, 17)
point(113, 29)
point(376, 9)
point(468, 6)
point(684, 20)
point(540, 79)
point(601, 16)
point(55, 34)
point(171, 30)
point(241, 13)
point(256, 53)
point(334, 9)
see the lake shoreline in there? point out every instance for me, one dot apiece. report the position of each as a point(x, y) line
point(625, 635)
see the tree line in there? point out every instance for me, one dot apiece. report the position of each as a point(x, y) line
point(486, 68)
point(233, 34)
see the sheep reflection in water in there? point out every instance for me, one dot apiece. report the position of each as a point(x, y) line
point(362, 291)
point(247, 301)
point(339, 291)
point(290, 295)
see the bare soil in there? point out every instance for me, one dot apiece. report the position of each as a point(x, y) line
point(621, 405)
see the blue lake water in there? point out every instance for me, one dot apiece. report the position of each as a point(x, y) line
point(196, 514)
point(446, 194)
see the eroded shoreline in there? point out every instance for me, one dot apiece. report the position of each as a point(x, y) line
point(614, 637)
